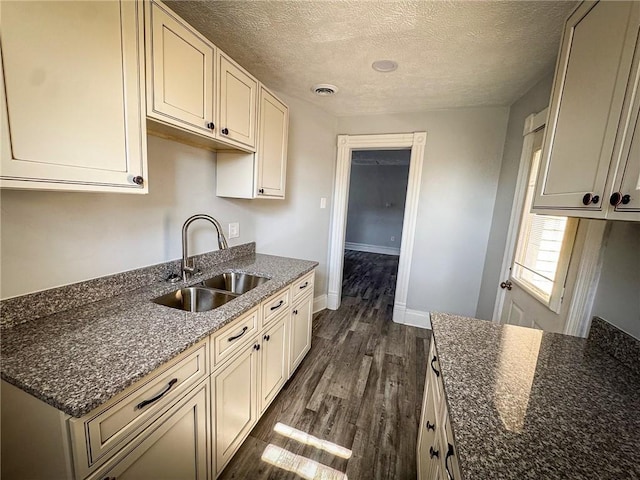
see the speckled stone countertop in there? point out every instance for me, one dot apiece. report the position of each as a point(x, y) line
point(77, 359)
point(525, 404)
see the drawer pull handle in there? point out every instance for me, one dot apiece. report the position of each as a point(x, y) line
point(144, 403)
point(431, 426)
point(437, 372)
point(433, 453)
point(304, 285)
point(235, 337)
point(446, 462)
point(275, 307)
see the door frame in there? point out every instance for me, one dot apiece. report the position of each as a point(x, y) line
point(579, 314)
point(346, 144)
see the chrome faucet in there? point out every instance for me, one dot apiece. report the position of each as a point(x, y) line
point(187, 268)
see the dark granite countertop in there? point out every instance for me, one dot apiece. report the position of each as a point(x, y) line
point(525, 404)
point(77, 359)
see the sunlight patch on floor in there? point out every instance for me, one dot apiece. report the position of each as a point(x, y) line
point(305, 467)
point(308, 439)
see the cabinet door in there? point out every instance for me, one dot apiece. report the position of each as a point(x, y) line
point(238, 102)
point(300, 343)
point(74, 114)
point(627, 180)
point(274, 359)
point(589, 88)
point(180, 80)
point(235, 404)
point(272, 147)
point(175, 446)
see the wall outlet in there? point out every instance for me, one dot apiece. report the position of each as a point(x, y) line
point(323, 202)
point(393, 239)
point(234, 230)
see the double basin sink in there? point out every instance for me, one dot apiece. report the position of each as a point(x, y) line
point(211, 293)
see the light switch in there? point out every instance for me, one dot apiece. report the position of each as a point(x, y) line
point(234, 230)
point(323, 202)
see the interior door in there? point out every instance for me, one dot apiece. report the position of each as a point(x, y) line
point(533, 298)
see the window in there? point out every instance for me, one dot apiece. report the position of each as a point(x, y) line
point(544, 245)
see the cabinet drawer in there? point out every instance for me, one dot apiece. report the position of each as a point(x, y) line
point(100, 434)
point(274, 305)
point(302, 286)
point(226, 342)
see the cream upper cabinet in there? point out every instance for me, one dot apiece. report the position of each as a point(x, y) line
point(180, 72)
point(73, 116)
point(624, 201)
point(591, 86)
point(263, 174)
point(272, 147)
point(238, 104)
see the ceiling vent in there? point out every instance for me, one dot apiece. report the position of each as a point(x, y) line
point(384, 66)
point(324, 89)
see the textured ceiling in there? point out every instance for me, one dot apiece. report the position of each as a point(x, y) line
point(450, 53)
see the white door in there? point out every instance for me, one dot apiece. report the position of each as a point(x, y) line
point(539, 276)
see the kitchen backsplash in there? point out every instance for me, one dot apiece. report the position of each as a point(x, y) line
point(620, 345)
point(47, 302)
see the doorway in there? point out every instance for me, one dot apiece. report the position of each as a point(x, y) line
point(347, 144)
point(375, 213)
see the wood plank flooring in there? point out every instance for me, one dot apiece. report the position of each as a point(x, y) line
point(360, 387)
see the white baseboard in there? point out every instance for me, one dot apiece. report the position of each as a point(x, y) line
point(412, 318)
point(363, 247)
point(333, 301)
point(319, 303)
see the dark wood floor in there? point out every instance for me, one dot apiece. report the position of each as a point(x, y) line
point(360, 387)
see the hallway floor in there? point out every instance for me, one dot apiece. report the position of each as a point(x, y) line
point(359, 388)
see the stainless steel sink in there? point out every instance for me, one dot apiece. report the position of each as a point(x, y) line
point(234, 282)
point(195, 299)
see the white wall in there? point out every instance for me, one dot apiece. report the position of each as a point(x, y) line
point(618, 296)
point(377, 195)
point(298, 227)
point(459, 181)
point(50, 239)
point(534, 101)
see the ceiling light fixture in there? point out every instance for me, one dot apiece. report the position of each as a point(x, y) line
point(384, 66)
point(324, 89)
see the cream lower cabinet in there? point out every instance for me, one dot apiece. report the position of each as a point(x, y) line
point(596, 84)
point(235, 403)
point(72, 107)
point(274, 360)
point(436, 452)
point(300, 336)
point(175, 446)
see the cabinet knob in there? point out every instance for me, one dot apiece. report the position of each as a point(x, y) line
point(256, 347)
point(295, 312)
point(210, 125)
point(433, 453)
point(617, 198)
point(267, 337)
point(261, 190)
point(590, 198)
point(138, 180)
point(225, 131)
